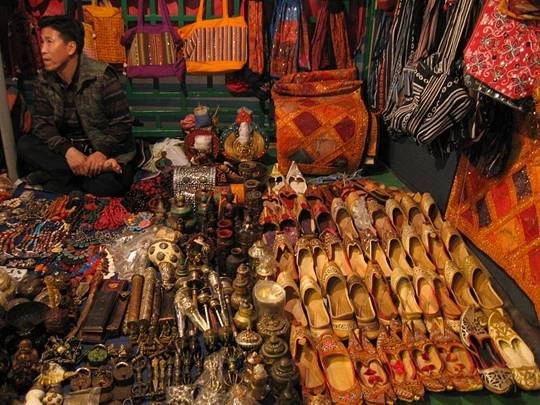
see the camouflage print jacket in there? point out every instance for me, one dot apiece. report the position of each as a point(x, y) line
point(101, 105)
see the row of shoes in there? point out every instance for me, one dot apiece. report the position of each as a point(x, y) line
point(404, 364)
point(343, 283)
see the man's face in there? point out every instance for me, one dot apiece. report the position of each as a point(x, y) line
point(54, 50)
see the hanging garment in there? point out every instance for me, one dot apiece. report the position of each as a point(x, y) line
point(24, 42)
point(502, 58)
point(290, 39)
point(491, 145)
point(108, 27)
point(256, 36)
point(356, 24)
point(376, 80)
point(218, 45)
point(154, 50)
point(330, 43)
point(398, 51)
point(321, 121)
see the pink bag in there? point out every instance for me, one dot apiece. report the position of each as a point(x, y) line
point(154, 50)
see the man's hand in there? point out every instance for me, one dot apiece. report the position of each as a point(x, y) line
point(95, 163)
point(111, 165)
point(77, 161)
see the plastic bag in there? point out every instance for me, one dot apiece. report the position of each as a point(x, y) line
point(175, 153)
point(130, 253)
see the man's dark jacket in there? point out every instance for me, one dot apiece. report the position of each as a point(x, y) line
point(107, 124)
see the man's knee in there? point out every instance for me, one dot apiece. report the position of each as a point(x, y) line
point(26, 146)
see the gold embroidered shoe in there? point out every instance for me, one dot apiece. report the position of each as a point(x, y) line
point(480, 282)
point(518, 356)
point(304, 354)
point(399, 362)
point(460, 366)
point(454, 243)
point(496, 377)
point(408, 307)
point(370, 370)
point(431, 211)
point(396, 214)
point(339, 305)
point(339, 371)
point(424, 286)
point(364, 310)
point(318, 318)
point(343, 220)
point(415, 248)
point(458, 286)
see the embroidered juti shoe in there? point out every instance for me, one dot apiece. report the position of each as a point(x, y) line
point(399, 362)
point(493, 371)
point(340, 307)
point(518, 356)
point(460, 366)
point(304, 354)
point(370, 371)
point(338, 369)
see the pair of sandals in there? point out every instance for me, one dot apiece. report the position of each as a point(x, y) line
point(294, 179)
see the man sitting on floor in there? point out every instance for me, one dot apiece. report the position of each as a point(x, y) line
point(82, 136)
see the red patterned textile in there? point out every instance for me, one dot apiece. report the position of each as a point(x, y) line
point(504, 53)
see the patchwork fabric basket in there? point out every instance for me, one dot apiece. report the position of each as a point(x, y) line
point(321, 121)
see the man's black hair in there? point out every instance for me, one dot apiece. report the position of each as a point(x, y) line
point(68, 28)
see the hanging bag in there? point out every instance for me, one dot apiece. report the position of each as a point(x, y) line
point(75, 10)
point(502, 59)
point(108, 26)
point(322, 123)
point(330, 38)
point(154, 50)
point(439, 100)
point(289, 39)
point(218, 45)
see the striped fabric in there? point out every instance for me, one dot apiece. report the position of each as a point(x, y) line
point(212, 44)
point(439, 100)
point(152, 49)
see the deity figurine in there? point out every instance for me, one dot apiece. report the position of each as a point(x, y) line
point(201, 142)
point(243, 141)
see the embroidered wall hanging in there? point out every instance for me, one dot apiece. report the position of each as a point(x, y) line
point(501, 216)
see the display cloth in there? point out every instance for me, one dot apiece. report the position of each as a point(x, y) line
point(501, 215)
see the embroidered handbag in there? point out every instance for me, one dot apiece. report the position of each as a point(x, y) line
point(502, 58)
point(154, 50)
point(439, 102)
point(321, 121)
point(108, 26)
point(217, 45)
